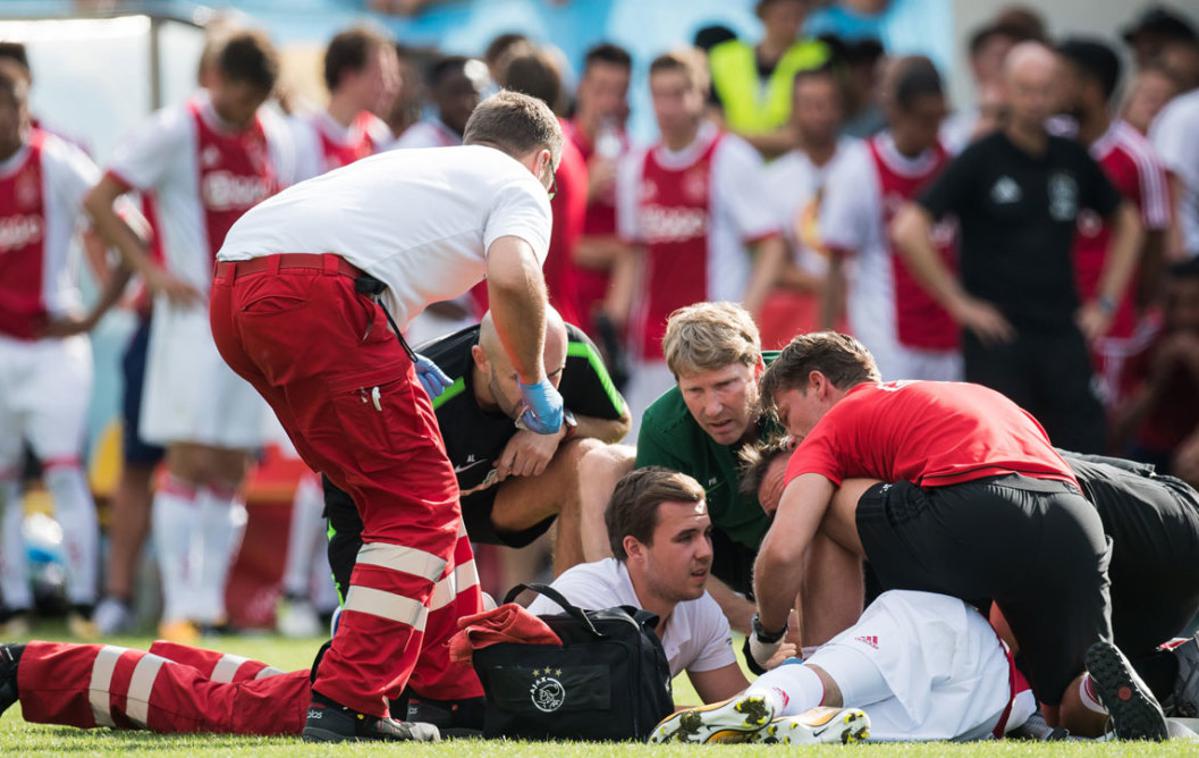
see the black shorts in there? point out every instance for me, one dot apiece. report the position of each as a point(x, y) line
point(476, 515)
point(1155, 565)
point(1035, 547)
point(133, 368)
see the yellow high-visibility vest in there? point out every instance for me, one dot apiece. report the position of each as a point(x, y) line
point(749, 107)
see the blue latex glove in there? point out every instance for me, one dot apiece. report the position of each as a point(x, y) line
point(542, 407)
point(432, 378)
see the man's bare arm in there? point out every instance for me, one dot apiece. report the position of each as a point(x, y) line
point(769, 257)
point(100, 205)
point(1095, 317)
point(517, 296)
point(778, 577)
point(736, 608)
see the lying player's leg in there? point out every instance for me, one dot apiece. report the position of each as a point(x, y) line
point(170, 688)
point(921, 666)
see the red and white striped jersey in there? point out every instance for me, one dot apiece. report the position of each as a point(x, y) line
point(886, 306)
point(694, 210)
point(1132, 165)
point(203, 176)
point(42, 187)
point(322, 144)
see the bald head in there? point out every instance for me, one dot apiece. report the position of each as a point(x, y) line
point(555, 340)
point(498, 378)
point(1029, 74)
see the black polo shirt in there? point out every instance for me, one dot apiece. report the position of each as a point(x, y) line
point(475, 437)
point(1017, 214)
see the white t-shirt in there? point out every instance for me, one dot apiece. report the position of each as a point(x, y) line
point(420, 221)
point(795, 188)
point(697, 636)
point(427, 133)
point(852, 219)
point(1173, 134)
point(162, 157)
point(739, 211)
point(367, 132)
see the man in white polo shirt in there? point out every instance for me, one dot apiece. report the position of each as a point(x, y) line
point(306, 287)
point(659, 530)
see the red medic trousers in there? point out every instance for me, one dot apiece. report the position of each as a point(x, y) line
point(345, 391)
point(170, 688)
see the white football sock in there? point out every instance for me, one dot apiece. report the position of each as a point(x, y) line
point(1086, 693)
point(306, 538)
point(222, 523)
point(76, 514)
point(859, 678)
point(14, 573)
point(175, 520)
point(791, 688)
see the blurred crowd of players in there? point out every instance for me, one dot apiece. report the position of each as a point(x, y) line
point(805, 179)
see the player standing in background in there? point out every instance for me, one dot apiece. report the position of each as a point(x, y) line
point(45, 360)
point(1093, 71)
point(456, 84)
point(695, 206)
point(363, 76)
point(598, 131)
point(796, 185)
point(910, 336)
point(205, 162)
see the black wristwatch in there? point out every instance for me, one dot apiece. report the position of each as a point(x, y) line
point(765, 636)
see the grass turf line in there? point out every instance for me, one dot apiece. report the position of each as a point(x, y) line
point(20, 738)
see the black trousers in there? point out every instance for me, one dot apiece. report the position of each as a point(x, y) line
point(1047, 373)
point(1034, 547)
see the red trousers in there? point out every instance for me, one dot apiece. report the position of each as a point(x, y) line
point(171, 688)
point(343, 387)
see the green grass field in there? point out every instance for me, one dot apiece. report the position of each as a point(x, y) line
point(18, 738)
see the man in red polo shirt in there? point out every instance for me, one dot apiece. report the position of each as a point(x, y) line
point(946, 487)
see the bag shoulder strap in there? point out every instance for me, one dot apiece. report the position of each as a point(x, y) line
point(544, 589)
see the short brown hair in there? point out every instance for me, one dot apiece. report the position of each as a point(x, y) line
point(515, 124)
point(351, 49)
point(535, 73)
point(633, 509)
point(709, 336)
point(845, 361)
point(249, 57)
point(689, 60)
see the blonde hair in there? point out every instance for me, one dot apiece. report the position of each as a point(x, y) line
point(709, 336)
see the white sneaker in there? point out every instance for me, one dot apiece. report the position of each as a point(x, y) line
point(737, 719)
point(111, 617)
point(819, 725)
point(297, 618)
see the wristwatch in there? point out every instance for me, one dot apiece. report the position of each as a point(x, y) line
point(765, 636)
point(569, 423)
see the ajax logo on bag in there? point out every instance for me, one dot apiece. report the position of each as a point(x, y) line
point(547, 693)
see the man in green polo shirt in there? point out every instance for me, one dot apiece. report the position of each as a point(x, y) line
point(752, 84)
